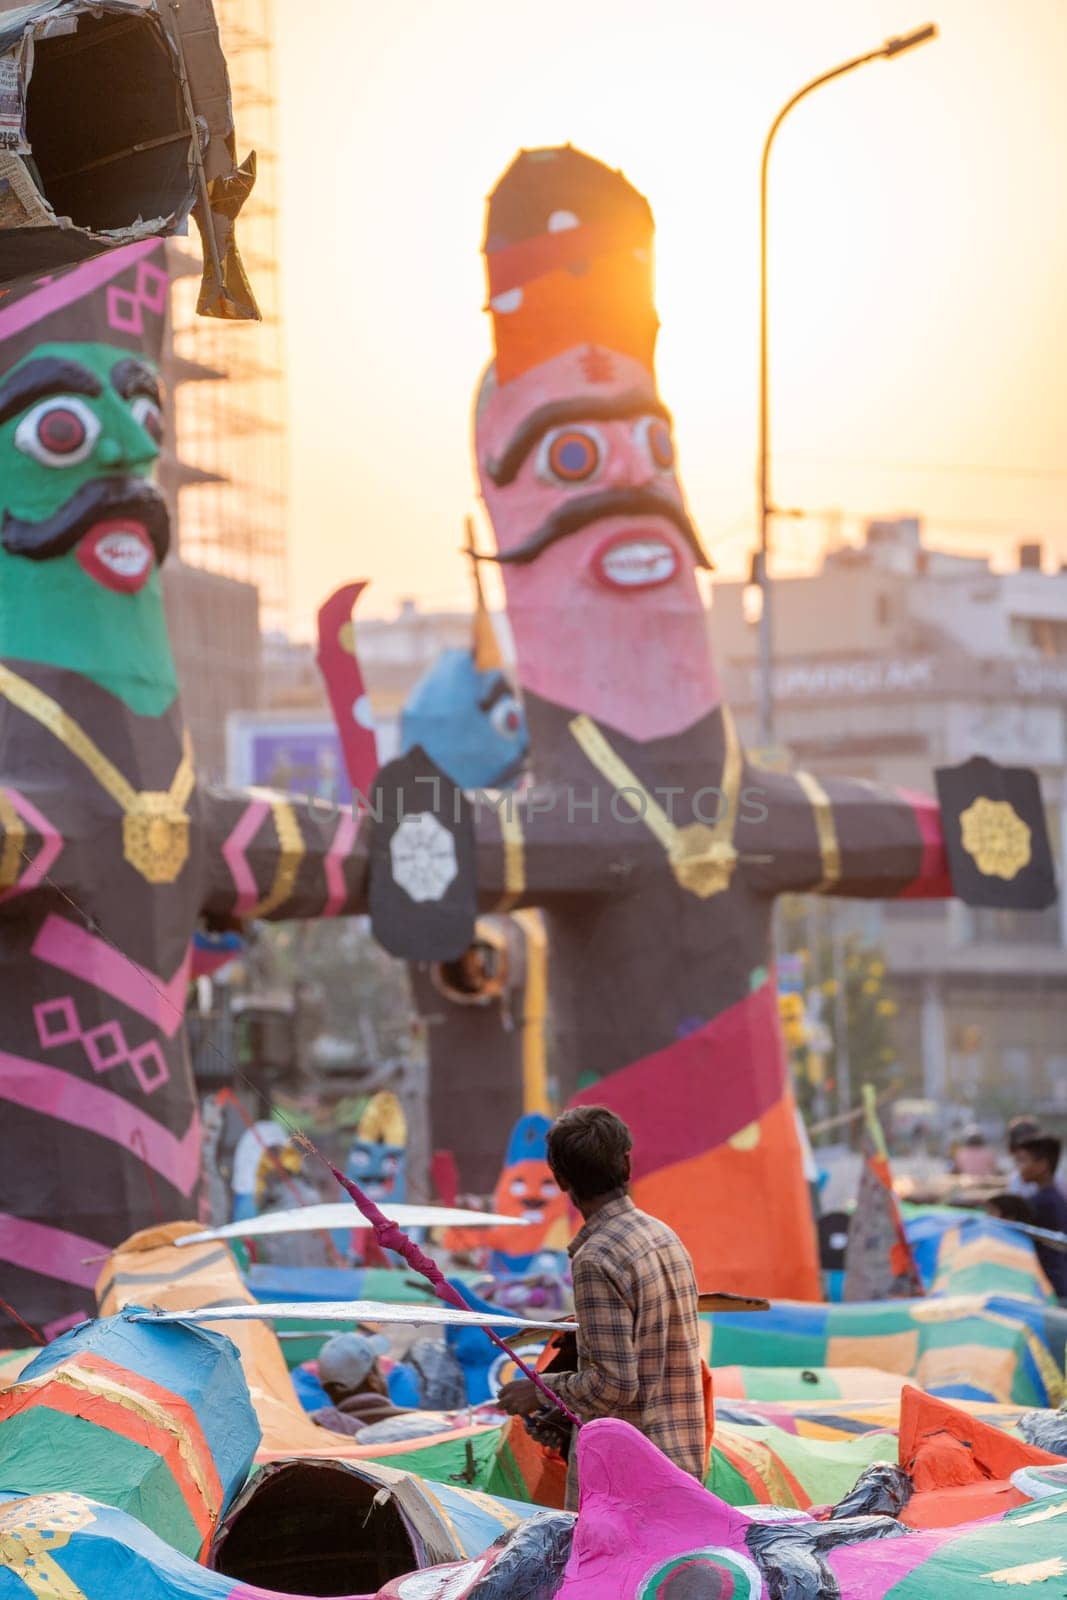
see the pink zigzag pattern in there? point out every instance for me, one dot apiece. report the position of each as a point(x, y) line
point(67, 287)
point(51, 845)
point(233, 853)
point(342, 843)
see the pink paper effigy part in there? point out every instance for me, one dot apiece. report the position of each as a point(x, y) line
point(647, 1531)
point(627, 579)
point(654, 846)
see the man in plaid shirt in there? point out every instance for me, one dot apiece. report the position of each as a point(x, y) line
point(635, 1301)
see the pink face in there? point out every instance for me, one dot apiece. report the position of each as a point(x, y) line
point(576, 463)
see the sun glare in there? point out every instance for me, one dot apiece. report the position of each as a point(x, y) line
point(917, 248)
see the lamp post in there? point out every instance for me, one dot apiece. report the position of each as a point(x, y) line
point(891, 48)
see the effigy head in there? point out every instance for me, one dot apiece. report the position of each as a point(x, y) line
point(574, 447)
point(377, 1160)
point(83, 525)
point(527, 1189)
point(468, 721)
point(80, 430)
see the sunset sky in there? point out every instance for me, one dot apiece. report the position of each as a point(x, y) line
point(918, 259)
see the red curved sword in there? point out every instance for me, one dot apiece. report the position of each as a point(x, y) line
point(341, 673)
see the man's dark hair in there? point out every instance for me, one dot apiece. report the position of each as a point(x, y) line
point(589, 1151)
point(1020, 1129)
point(1012, 1207)
point(1043, 1147)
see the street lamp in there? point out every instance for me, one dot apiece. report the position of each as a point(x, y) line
point(761, 575)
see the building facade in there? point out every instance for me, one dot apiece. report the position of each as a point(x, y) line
point(891, 660)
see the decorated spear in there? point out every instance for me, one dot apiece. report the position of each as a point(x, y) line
point(390, 1236)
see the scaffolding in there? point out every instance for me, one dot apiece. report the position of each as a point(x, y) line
point(229, 380)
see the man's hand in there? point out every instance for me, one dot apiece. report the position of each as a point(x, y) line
point(520, 1398)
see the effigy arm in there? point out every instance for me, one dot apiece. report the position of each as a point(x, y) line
point(279, 857)
point(539, 847)
point(797, 833)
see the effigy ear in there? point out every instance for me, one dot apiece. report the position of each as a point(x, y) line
point(422, 889)
point(996, 835)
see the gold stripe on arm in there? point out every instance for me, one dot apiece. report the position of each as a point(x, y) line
point(535, 1013)
point(825, 830)
point(514, 843)
point(292, 848)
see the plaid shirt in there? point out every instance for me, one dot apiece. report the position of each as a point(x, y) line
point(639, 1353)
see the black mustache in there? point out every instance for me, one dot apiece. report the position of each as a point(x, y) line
point(96, 500)
point(577, 514)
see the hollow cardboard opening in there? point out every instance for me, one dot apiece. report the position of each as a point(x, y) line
point(479, 975)
point(314, 1529)
point(106, 124)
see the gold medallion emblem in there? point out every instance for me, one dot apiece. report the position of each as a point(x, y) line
point(701, 861)
point(155, 836)
point(996, 838)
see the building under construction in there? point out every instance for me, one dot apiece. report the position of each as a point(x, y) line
point(224, 462)
point(228, 468)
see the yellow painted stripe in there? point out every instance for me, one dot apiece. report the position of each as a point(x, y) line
point(535, 1014)
point(43, 1576)
point(623, 780)
point(825, 830)
point(31, 1531)
point(484, 1502)
point(292, 851)
point(61, 725)
point(14, 840)
point(50, 714)
point(98, 1383)
point(442, 1512)
point(511, 836)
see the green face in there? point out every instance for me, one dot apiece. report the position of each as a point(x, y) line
point(83, 527)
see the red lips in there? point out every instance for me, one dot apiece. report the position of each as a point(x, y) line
point(118, 554)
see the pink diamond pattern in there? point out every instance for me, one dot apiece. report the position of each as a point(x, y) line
point(126, 307)
point(57, 1022)
point(106, 1046)
point(149, 1066)
point(97, 1043)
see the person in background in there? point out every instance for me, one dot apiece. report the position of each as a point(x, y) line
point(974, 1157)
point(1020, 1128)
point(1037, 1159)
point(635, 1300)
point(1010, 1208)
point(352, 1377)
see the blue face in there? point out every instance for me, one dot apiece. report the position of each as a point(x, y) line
point(379, 1169)
point(468, 722)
